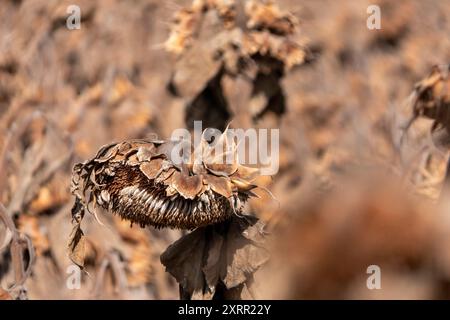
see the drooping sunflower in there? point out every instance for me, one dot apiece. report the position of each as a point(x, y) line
point(144, 182)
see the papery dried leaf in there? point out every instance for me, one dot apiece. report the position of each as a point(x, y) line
point(245, 253)
point(145, 153)
point(77, 246)
point(213, 267)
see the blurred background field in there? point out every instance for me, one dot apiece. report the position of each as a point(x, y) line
point(348, 194)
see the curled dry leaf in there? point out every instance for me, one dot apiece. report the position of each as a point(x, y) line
point(217, 261)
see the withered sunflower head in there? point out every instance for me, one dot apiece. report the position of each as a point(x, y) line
point(431, 99)
point(143, 182)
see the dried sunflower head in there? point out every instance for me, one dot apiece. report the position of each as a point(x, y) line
point(144, 182)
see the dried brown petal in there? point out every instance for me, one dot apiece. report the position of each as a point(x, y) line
point(188, 186)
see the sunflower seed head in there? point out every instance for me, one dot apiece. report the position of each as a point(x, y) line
point(150, 190)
